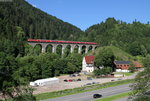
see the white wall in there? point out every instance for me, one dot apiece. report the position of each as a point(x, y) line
point(87, 67)
point(121, 70)
point(43, 82)
point(83, 64)
point(90, 69)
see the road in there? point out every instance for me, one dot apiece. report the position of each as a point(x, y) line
point(88, 96)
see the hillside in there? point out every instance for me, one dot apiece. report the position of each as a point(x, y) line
point(133, 38)
point(119, 54)
point(34, 22)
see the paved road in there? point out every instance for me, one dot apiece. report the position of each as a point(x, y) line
point(88, 96)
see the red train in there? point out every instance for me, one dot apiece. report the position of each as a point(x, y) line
point(59, 41)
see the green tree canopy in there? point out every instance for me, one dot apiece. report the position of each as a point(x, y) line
point(104, 58)
point(141, 85)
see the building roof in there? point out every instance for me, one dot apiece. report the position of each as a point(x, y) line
point(89, 59)
point(47, 79)
point(137, 64)
point(122, 62)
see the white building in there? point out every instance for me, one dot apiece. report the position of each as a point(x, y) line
point(88, 64)
point(43, 82)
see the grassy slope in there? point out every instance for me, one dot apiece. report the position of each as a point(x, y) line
point(119, 54)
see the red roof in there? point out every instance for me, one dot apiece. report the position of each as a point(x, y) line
point(137, 64)
point(89, 59)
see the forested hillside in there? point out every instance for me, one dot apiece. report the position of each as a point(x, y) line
point(133, 38)
point(34, 22)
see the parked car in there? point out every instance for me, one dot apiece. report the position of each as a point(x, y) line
point(119, 79)
point(79, 75)
point(72, 75)
point(93, 82)
point(89, 78)
point(79, 79)
point(65, 80)
point(97, 96)
point(70, 80)
point(89, 84)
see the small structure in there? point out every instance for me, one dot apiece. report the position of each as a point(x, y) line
point(43, 82)
point(137, 65)
point(118, 75)
point(88, 64)
point(122, 66)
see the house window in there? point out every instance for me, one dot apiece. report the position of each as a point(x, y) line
point(89, 65)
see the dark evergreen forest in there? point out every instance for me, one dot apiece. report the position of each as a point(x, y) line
point(34, 22)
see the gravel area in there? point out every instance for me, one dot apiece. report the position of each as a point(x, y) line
point(68, 85)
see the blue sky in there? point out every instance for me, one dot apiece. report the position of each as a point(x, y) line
point(84, 13)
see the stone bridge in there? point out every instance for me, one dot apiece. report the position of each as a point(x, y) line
point(55, 43)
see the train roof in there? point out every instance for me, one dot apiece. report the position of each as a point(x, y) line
point(60, 41)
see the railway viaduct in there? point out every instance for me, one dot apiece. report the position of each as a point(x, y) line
point(63, 44)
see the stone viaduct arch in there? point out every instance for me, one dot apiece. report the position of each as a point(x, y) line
point(49, 48)
point(54, 44)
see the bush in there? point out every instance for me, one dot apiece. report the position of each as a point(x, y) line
point(132, 69)
point(102, 71)
point(26, 97)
